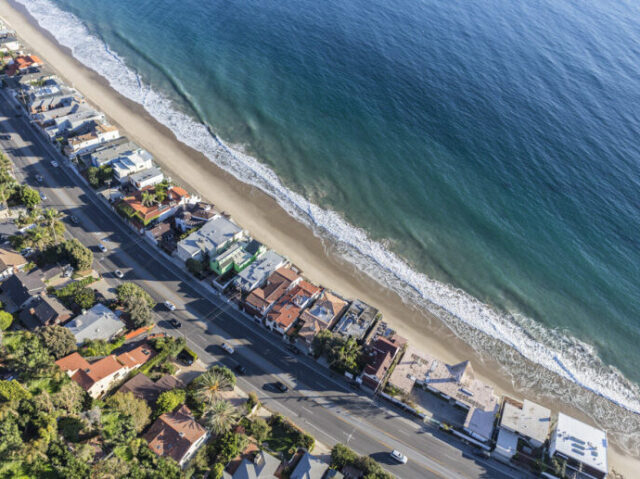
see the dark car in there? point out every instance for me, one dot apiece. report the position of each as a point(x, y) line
point(293, 349)
point(175, 323)
point(240, 369)
point(74, 219)
point(280, 386)
point(185, 357)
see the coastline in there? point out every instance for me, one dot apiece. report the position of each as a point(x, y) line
point(268, 222)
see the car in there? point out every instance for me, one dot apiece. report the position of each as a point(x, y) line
point(185, 357)
point(280, 386)
point(118, 274)
point(292, 348)
point(102, 247)
point(483, 453)
point(398, 456)
point(39, 178)
point(227, 347)
point(74, 219)
point(170, 306)
point(43, 196)
point(54, 163)
point(240, 369)
point(27, 251)
point(175, 323)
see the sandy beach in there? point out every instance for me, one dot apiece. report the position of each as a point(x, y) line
point(268, 222)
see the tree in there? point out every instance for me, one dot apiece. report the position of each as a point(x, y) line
point(64, 463)
point(322, 342)
point(69, 398)
point(129, 405)
point(51, 220)
point(58, 340)
point(169, 400)
point(13, 391)
point(80, 257)
point(194, 266)
point(228, 446)
point(342, 455)
point(137, 302)
point(85, 298)
point(93, 176)
point(260, 430)
point(344, 355)
point(10, 437)
point(5, 320)
point(220, 416)
point(29, 197)
point(217, 471)
point(209, 385)
point(148, 198)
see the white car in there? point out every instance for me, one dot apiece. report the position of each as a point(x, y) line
point(398, 456)
point(54, 163)
point(118, 274)
point(170, 306)
point(43, 196)
point(102, 247)
point(228, 348)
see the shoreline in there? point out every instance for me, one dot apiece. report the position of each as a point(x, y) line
point(269, 223)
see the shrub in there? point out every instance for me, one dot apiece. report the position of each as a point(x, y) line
point(6, 319)
point(169, 400)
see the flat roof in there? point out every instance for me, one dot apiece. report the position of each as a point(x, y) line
point(146, 174)
point(579, 441)
point(260, 269)
point(211, 236)
point(526, 418)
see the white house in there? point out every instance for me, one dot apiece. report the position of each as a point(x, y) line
point(583, 447)
point(109, 152)
point(73, 122)
point(148, 177)
point(130, 163)
point(212, 238)
point(256, 273)
point(9, 44)
point(525, 421)
point(82, 144)
point(98, 322)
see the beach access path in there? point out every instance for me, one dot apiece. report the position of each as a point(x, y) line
point(319, 403)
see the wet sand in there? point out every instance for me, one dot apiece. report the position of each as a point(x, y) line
point(265, 219)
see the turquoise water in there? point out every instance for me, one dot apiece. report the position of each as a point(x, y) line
point(493, 146)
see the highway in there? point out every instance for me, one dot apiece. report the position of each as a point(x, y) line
point(322, 404)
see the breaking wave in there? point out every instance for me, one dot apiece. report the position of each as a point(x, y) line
point(475, 322)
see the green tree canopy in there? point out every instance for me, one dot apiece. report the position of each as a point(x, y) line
point(169, 400)
point(129, 405)
point(137, 302)
point(5, 320)
point(29, 197)
point(220, 416)
point(58, 340)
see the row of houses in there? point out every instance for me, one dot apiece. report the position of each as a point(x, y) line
point(270, 290)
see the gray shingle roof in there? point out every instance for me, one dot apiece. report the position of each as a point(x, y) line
point(97, 323)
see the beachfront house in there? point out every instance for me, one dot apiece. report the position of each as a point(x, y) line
point(214, 237)
point(51, 102)
point(322, 315)
point(73, 123)
point(286, 311)
point(98, 322)
point(130, 163)
point(145, 178)
point(40, 76)
point(256, 273)
point(176, 435)
point(581, 447)
point(380, 355)
point(111, 151)
point(86, 143)
point(22, 64)
point(237, 256)
point(195, 216)
point(357, 322)
point(261, 299)
point(9, 44)
point(143, 206)
point(48, 118)
point(523, 427)
point(454, 383)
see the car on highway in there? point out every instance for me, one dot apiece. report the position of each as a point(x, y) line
point(39, 178)
point(292, 348)
point(240, 369)
point(227, 347)
point(118, 274)
point(54, 163)
point(175, 323)
point(280, 386)
point(74, 219)
point(43, 196)
point(102, 247)
point(169, 305)
point(398, 456)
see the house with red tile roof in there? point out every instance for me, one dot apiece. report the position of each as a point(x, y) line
point(260, 300)
point(286, 311)
point(139, 211)
point(382, 352)
point(22, 64)
point(136, 357)
point(176, 435)
point(323, 314)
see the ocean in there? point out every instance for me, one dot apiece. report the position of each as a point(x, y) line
point(480, 158)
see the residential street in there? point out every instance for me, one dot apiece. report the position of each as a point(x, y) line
point(323, 405)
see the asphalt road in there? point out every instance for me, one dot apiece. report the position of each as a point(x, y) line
point(317, 401)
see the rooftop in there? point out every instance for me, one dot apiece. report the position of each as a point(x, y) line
point(112, 150)
point(277, 284)
point(357, 320)
point(137, 356)
point(146, 175)
point(527, 418)
point(172, 434)
point(211, 236)
point(581, 442)
point(87, 377)
point(327, 308)
point(97, 323)
point(259, 270)
point(144, 388)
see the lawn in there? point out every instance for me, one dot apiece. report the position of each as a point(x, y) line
point(282, 440)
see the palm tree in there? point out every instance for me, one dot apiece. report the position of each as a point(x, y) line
point(210, 384)
point(220, 416)
point(148, 198)
point(51, 219)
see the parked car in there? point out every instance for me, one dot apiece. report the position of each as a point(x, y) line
point(102, 247)
point(54, 163)
point(293, 349)
point(227, 347)
point(185, 357)
point(118, 274)
point(240, 369)
point(170, 306)
point(175, 323)
point(39, 178)
point(398, 456)
point(74, 219)
point(43, 196)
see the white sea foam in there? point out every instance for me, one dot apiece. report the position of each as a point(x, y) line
point(555, 351)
